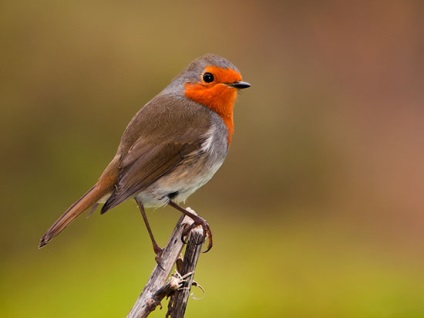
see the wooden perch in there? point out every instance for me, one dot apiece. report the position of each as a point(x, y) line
point(177, 286)
point(178, 302)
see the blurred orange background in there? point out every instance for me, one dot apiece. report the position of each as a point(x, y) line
point(318, 210)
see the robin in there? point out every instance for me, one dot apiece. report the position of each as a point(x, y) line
point(170, 148)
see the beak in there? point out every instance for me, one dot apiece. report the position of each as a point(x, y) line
point(239, 85)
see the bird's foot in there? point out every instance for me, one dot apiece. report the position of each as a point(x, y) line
point(158, 258)
point(207, 233)
point(197, 220)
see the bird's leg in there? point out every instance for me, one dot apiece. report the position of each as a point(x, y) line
point(197, 221)
point(156, 248)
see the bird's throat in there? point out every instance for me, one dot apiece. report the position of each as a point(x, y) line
point(220, 98)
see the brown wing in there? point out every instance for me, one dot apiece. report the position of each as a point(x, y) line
point(167, 130)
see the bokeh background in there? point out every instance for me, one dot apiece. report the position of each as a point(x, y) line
point(318, 210)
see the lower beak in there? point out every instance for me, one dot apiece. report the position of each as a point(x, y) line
point(239, 85)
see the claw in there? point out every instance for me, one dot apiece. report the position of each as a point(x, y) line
point(158, 258)
point(197, 220)
point(207, 233)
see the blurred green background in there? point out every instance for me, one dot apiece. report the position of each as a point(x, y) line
point(318, 210)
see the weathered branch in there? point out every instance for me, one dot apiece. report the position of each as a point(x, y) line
point(178, 302)
point(178, 285)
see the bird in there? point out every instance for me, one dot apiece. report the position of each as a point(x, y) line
point(172, 146)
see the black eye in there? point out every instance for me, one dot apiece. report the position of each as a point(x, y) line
point(208, 78)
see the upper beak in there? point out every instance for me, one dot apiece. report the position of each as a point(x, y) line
point(239, 85)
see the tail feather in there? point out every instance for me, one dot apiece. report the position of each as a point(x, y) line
point(89, 199)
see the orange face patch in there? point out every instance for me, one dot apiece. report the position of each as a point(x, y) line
point(216, 95)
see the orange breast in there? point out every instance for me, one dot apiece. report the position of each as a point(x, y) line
point(217, 96)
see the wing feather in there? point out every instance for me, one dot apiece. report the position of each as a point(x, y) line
point(166, 136)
